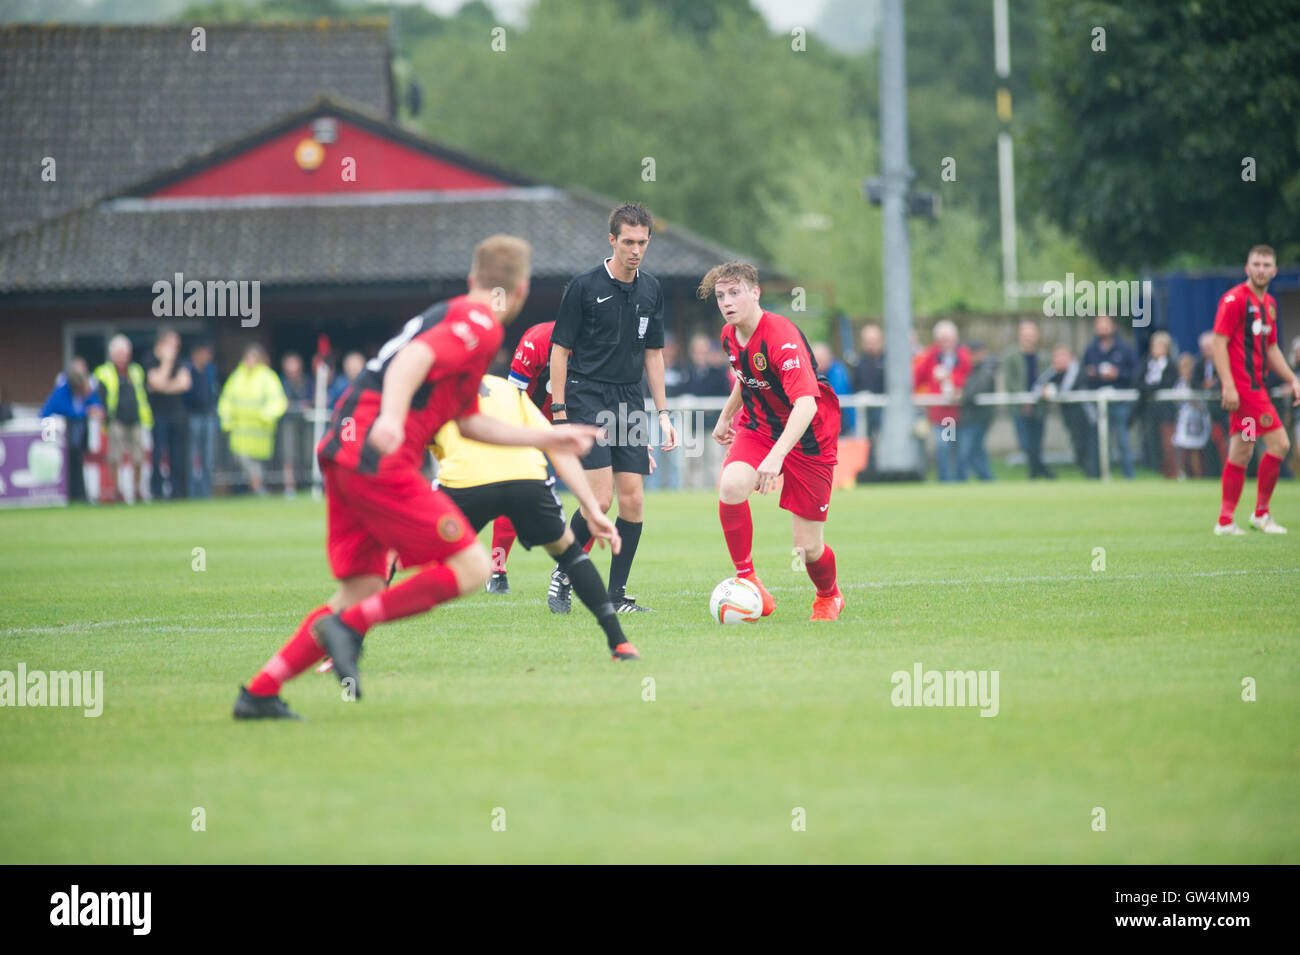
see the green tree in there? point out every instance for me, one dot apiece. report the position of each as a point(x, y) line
point(629, 106)
point(1146, 150)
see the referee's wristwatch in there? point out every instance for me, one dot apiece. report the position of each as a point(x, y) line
point(558, 406)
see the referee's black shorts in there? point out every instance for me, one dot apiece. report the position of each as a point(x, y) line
point(532, 506)
point(620, 409)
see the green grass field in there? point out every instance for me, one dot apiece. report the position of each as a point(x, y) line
point(1119, 688)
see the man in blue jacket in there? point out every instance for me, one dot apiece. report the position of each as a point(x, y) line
point(73, 399)
point(1109, 362)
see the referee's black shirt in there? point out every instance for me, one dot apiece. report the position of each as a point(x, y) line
point(608, 325)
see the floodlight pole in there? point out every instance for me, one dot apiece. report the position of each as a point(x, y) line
point(897, 451)
point(1006, 158)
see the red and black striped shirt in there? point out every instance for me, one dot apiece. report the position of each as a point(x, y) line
point(775, 367)
point(464, 337)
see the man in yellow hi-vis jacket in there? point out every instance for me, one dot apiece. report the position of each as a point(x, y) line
point(251, 403)
point(129, 417)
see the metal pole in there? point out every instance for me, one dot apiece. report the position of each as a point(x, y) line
point(897, 450)
point(1006, 161)
point(1103, 437)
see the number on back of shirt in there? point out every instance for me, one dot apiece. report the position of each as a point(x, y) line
point(409, 331)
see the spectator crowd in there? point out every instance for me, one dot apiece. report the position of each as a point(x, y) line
point(172, 412)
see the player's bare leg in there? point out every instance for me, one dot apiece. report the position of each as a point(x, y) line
point(585, 580)
point(734, 487)
point(559, 593)
point(630, 488)
point(434, 583)
point(819, 561)
point(261, 699)
point(1276, 447)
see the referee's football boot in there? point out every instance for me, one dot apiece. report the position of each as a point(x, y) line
point(559, 595)
point(342, 644)
point(498, 584)
point(250, 707)
point(625, 604)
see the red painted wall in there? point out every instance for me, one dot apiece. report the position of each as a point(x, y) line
point(382, 165)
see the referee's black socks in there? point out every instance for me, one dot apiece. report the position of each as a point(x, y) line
point(621, 564)
point(587, 585)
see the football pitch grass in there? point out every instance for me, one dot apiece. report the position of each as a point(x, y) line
point(1120, 689)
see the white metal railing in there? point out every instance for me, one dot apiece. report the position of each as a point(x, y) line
point(1101, 397)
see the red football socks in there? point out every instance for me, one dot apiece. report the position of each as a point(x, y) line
point(503, 538)
point(1266, 476)
point(822, 572)
point(297, 655)
point(738, 529)
point(1234, 476)
point(431, 585)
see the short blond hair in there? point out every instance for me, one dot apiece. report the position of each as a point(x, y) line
point(727, 272)
point(501, 261)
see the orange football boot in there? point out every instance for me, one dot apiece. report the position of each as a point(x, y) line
point(828, 608)
point(624, 651)
point(769, 602)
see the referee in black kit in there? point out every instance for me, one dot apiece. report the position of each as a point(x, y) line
point(609, 329)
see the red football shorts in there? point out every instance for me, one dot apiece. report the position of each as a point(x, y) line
point(1257, 406)
point(369, 514)
point(806, 482)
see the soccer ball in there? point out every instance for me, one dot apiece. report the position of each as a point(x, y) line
point(736, 601)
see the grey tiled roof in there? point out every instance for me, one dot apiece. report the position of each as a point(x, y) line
point(130, 243)
point(113, 105)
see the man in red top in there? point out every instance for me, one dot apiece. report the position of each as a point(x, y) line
point(942, 369)
point(370, 459)
point(1245, 348)
point(782, 419)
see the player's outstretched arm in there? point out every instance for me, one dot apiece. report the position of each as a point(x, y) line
point(406, 372)
point(569, 470)
point(572, 438)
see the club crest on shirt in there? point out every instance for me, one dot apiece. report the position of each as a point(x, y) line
point(1266, 421)
point(449, 528)
point(1272, 311)
point(760, 362)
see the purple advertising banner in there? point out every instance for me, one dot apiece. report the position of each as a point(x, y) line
point(33, 471)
